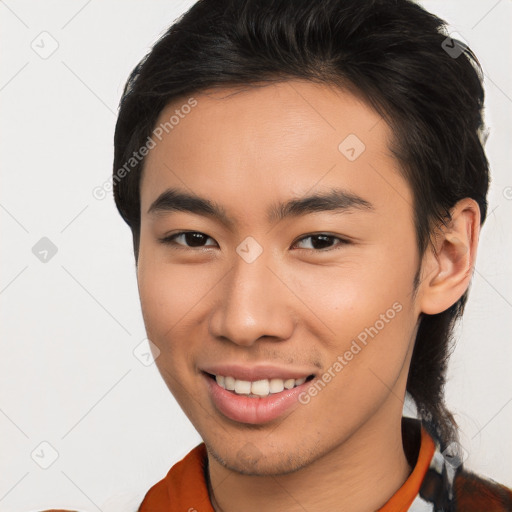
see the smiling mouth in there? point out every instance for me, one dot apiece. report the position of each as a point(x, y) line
point(259, 388)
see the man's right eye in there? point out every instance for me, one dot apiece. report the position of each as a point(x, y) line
point(186, 239)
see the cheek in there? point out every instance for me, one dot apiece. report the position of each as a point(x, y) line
point(175, 301)
point(167, 293)
point(352, 296)
point(367, 316)
point(166, 297)
point(368, 361)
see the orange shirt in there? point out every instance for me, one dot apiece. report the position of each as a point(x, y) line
point(184, 489)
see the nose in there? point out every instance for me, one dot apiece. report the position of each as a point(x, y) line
point(253, 302)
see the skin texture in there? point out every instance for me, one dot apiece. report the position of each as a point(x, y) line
point(295, 306)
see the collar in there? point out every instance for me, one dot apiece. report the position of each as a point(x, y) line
point(185, 488)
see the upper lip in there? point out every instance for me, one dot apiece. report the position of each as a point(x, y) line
point(256, 371)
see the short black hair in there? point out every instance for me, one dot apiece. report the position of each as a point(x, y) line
point(392, 53)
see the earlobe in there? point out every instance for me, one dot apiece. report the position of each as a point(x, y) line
point(449, 264)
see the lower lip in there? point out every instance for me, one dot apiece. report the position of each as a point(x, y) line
point(255, 411)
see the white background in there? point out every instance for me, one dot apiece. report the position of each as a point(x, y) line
point(69, 326)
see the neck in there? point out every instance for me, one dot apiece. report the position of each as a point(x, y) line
point(360, 474)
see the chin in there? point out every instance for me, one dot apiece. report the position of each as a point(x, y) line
point(250, 460)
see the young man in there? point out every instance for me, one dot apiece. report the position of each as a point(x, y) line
point(305, 183)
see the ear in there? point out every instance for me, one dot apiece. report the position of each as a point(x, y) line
point(448, 265)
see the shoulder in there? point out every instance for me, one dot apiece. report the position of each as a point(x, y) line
point(475, 493)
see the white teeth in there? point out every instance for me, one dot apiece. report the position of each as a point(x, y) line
point(229, 383)
point(289, 383)
point(242, 387)
point(259, 388)
point(276, 385)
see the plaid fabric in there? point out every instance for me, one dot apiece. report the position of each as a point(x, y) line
point(449, 487)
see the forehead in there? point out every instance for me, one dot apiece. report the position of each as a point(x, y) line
point(270, 142)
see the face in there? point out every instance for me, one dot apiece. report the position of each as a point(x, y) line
point(297, 262)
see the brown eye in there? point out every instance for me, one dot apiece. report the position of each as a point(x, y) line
point(187, 239)
point(322, 242)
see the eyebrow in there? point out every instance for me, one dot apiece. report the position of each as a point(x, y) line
point(336, 200)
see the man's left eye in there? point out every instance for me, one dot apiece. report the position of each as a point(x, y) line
point(321, 241)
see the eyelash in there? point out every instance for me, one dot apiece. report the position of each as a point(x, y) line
point(170, 240)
